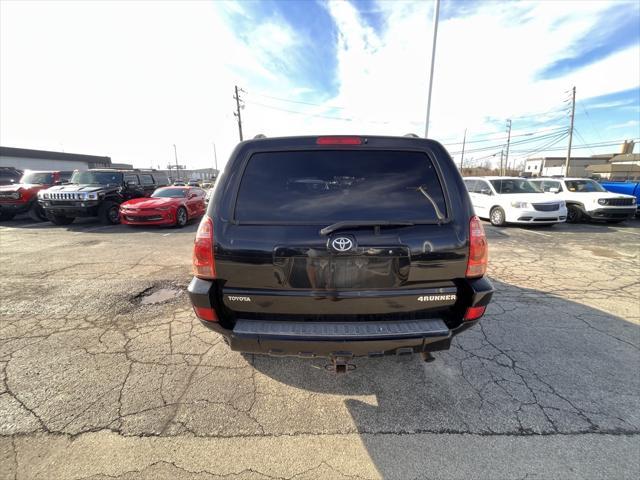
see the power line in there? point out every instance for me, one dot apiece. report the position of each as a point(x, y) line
point(594, 145)
point(583, 140)
point(528, 134)
point(517, 142)
point(334, 107)
point(593, 127)
point(544, 147)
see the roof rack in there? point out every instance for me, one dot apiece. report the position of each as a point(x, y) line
point(412, 135)
point(259, 136)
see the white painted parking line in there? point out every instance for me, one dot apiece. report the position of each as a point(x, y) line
point(166, 234)
point(93, 229)
point(26, 225)
point(537, 233)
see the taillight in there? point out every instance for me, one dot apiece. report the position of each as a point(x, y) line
point(478, 249)
point(474, 313)
point(204, 264)
point(338, 141)
point(206, 313)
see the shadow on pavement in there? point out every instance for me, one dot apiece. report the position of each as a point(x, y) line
point(537, 364)
point(583, 227)
point(93, 225)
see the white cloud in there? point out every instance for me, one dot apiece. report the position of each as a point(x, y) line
point(487, 65)
point(130, 79)
point(629, 124)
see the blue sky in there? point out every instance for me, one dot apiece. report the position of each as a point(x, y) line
point(148, 74)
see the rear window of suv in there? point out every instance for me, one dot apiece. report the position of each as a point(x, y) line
point(322, 186)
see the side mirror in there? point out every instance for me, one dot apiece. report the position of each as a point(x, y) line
point(131, 183)
point(554, 190)
point(192, 195)
point(485, 191)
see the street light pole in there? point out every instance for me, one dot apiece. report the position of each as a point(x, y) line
point(215, 156)
point(433, 60)
point(175, 152)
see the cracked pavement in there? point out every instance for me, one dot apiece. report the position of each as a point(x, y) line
point(97, 384)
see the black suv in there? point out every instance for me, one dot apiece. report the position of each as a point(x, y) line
point(340, 247)
point(98, 193)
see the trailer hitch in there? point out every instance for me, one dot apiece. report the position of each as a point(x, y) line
point(340, 363)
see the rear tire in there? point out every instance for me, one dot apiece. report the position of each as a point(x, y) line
point(109, 213)
point(60, 220)
point(181, 217)
point(497, 217)
point(36, 212)
point(6, 216)
point(574, 214)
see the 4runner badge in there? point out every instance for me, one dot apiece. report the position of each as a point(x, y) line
point(437, 298)
point(234, 298)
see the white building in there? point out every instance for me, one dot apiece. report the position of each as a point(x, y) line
point(550, 166)
point(27, 159)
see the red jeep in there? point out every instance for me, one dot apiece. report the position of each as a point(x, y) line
point(23, 197)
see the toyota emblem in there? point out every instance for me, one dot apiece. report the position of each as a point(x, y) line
point(342, 244)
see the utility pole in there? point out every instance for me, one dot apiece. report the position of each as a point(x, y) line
point(433, 59)
point(506, 160)
point(215, 156)
point(237, 112)
point(573, 111)
point(464, 141)
point(501, 155)
point(175, 152)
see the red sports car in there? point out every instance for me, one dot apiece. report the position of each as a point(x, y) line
point(166, 206)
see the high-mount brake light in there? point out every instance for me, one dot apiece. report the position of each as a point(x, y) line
point(339, 141)
point(478, 249)
point(204, 264)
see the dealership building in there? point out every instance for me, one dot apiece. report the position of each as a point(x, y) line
point(27, 159)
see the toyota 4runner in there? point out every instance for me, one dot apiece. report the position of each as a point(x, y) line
point(340, 247)
point(98, 193)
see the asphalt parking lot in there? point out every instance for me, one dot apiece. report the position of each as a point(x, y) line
point(106, 373)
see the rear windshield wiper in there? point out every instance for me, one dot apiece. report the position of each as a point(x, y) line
point(426, 195)
point(363, 223)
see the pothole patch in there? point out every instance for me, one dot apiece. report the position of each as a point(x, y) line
point(157, 294)
point(603, 252)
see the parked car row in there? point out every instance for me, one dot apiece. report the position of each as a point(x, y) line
point(546, 201)
point(134, 197)
point(22, 196)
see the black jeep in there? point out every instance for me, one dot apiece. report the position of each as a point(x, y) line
point(98, 193)
point(340, 247)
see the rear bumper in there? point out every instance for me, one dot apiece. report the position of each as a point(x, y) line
point(350, 339)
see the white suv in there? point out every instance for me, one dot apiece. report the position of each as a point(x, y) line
point(588, 200)
point(505, 200)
